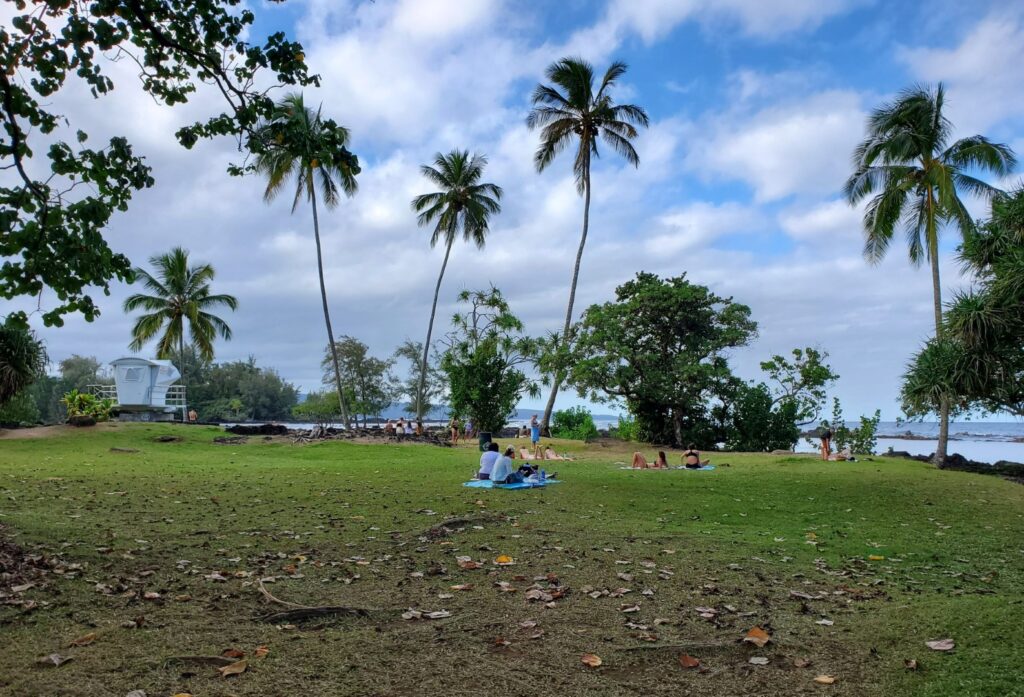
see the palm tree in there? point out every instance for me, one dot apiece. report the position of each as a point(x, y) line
point(298, 141)
point(22, 360)
point(570, 110)
point(179, 293)
point(907, 162)
point(463, 204)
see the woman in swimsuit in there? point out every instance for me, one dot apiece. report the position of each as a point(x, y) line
point(691, 458)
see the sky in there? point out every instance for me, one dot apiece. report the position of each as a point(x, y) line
point(755, 108)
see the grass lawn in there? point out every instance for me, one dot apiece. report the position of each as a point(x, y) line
point(196, 525)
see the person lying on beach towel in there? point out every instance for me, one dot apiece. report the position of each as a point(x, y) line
point(550, 454)
point(525, 454)
point(691, 458)
point(640, 462)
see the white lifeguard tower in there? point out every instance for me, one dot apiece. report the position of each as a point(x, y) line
point(144, 390)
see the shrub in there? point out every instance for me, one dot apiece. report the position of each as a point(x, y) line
point(626, 429)
point(861, 440)
point(85, 404)
point(575, 423)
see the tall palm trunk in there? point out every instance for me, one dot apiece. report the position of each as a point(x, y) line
point(430, 329)
point(184, 386)
point(560, 374)
point(327, 313)
point(933, 252)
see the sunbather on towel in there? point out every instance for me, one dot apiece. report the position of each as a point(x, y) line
point(691, 458)
point(525, 454)
point(639, 461)
point(550, 454)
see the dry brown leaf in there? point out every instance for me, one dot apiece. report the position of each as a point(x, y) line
point(910, 664)
point(84, 640)
point(55, 659)
point(462, 587)
point(824, 680)
point(236, 668)
point(232, 653)
point(469, 565)
point(528, 624)
point(629, 608)
point(941, 645)
point(590, 659)
point(757, 661)
point(688, 661)
point(876, 557)
point(182, 694)
point(802, 662)
point(261, 651)
point(151, 595)
point(757, 636)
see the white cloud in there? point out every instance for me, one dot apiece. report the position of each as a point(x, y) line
point(794, 148)
point(983, 72)
point(825, 223)
point(699, 224)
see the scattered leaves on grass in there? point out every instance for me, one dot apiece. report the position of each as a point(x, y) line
point(84, 640)
point(757, 636)
point(688, 661)
point(824, 680)
point(802, 662)
point(757, 661)
point(941, 645)
point(412, 614)
point(55, 660)
point(590, 659)
point(236, 668)
point(910, 664)
point(232, 653)
point(261, 651)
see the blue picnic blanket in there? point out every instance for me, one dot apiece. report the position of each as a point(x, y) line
point(488, 484)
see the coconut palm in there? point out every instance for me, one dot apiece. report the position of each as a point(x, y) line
point(464, 204)
point(915, 175)
point(570, 110)
point(298, 141)
point(22, 360)
point(179, 294)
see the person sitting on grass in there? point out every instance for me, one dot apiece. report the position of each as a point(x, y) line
point(502, 472)
point(691, 458)
point(639, 461)
point(487, 461)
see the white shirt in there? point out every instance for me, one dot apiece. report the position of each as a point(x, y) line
point(487, 461)
point(502, 469)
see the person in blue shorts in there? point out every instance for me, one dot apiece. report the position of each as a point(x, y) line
point(535, 436)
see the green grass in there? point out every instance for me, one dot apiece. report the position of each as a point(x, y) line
point(737, 536)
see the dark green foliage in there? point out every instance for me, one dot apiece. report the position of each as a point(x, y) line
point(367, 382)
point(760, 423)
point(661, 347)
point(50, 229)
point(321, 408)
point(240, 390)
point(20, 409)
point(481, 363)
point(862, 439)
point(979, 362)
point(22, 360)
point(420, 401)
point(575, 423)
point(626, 429)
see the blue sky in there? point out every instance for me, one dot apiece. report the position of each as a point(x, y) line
point(755, 107)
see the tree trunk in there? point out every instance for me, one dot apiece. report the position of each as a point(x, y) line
point(430, 329)
point(560, 374)
point(327, 314)
point(184, 387)
point(933, 251)
point(677, 427)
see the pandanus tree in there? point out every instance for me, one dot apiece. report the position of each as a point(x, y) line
point(914, 176)
point(570, 110)
point(178, 294)
point(298, 143)
point(463, 205)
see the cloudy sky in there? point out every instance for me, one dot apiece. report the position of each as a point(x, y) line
point(755, 108)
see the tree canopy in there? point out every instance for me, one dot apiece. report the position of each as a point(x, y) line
point(51, 226)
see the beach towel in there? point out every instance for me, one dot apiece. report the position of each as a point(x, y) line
point(488, 484)
point(663, 469)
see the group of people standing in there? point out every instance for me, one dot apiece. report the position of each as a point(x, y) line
point(403, 427)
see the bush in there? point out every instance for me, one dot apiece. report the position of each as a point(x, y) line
point(626, 429)
point(575, 423)
point(20, 409)
point(862, 440)
point(85, 404)
point(760, 426)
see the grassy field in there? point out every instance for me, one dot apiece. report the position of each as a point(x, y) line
point(159, 553)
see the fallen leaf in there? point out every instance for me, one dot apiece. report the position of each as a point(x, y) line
point(469, 565)
point(136, 693)
point(629, 608)
point(824, 680)
point(687, 661)
point(910, 664)
point(84, 640)
point(232, 653)
point(236, 668)
point(261, 651)
point(590, 659)
point(445, 596)
point(22, 588)
point(437, 614)
point(462, 587)
point(802, 662)
point(875, 557)
point(825, 622)
point(758, 661)
point(940, 645)
point(528, 624)
point(502, 641)
point(757, 636)
point(504, 560)
point(55, 659)
point(182, 694)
